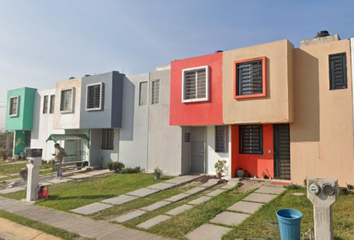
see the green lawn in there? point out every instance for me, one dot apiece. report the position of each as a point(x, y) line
point(257, 226)
point(40, 226)
point(70, 195)
point(178, 226)
point(6, 169)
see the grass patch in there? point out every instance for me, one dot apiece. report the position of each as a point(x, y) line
point(257, 225)
point(6, 169)
point(40, 226)
point(178, 226)
point(71, 195)
point(111, 213)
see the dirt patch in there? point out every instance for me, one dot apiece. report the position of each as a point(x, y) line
point(248, 185)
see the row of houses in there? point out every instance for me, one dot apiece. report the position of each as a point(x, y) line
point(271, 109)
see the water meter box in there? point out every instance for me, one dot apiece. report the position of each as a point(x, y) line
point(322, 193)
point(33, 152)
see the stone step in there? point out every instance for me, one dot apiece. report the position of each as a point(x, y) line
point(129, 216)
point(153, 221)
point(200, 200)
point(229, 218)
point(120, 199)
point(156, 205)
point(207, 232)
point(245, 207)
point(179, 210)
point(91, 208)
point(259, 197)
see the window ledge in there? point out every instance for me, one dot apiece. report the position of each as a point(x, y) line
point(250, 96)
point(13, 115)
point(195, 100)
point(66, 112)
point(93, 109)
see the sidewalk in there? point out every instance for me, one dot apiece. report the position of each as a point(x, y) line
point(74, 223)
point(14, 231)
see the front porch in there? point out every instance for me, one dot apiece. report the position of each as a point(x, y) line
point(262, 151)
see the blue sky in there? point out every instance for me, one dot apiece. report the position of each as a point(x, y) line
point(42, 42)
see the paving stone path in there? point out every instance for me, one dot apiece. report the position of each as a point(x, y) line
point(152, 222)
point(178, 210)
point(50, 180)
point(235, 214)
point(83, 226)
point(133, 195)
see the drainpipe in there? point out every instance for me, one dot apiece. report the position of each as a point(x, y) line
point(352, 68)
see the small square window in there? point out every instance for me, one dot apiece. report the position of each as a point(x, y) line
point(52, 104)
point(251, 139)
point(94, 97)
point(13, 108)
point(221, 139)
point(187, 137)
point(143, 93)
point(155, 92)
point(45, 104)
point(250, 78)
point(107, 139)
point(66, 101)
point(195, 84)
point(338, 71)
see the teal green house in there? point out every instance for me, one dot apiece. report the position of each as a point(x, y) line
point(19, 117)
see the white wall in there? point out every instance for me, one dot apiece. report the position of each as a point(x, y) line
point(43, 125)
point(96, 151)
point(212, 156)
point(134, 132)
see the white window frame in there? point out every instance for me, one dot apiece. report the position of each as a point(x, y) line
point(152, 89)
point(100, 107)
point(206, 68)
point(18, 98)
point(72, 100)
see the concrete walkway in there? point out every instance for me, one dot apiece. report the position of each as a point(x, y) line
point(14, 231)
point(178, 210)
point(52, 179)
point(130, 196)
point(155, 206)
point(235, 214)
point(85, 227)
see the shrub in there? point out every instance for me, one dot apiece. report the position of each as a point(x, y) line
point(116, 166)
point(131, 170)
point(293, 187)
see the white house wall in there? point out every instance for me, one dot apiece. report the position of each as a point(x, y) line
point(43, 125)
point(164, 142)
point(212, 156)
point(134, 131)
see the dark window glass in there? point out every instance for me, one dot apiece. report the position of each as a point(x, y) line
point(338, 71)
point(251, 137)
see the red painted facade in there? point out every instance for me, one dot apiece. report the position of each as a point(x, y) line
point(254, 164)
point(197, 113)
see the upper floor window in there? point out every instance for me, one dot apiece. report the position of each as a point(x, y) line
point(107, 139)
point(251, 139)
point(250, 78)
point(52, 104)
point(221, 139)
point(13, 108)
point(155, 92)
point(195, 84)
point(143, 93)
point(45, 104)
point(338, 71)
point(94, 97)
point(66, 100)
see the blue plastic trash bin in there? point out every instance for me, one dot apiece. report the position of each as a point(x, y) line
point(289, 224)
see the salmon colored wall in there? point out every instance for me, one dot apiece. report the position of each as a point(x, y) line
point(254, 164)
point(197, 113)
point(322, 133)
point(277, 105)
